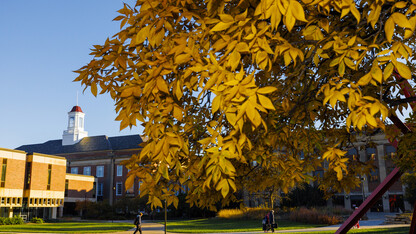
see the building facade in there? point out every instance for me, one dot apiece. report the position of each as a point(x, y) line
point(381, 152)
point(97, 156)
point(34, 185)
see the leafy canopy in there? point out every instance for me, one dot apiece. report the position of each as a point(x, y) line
point(252, 94)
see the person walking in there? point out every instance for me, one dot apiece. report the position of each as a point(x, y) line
point(272, 222)
point(138, 223)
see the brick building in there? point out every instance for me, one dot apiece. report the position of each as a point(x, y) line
point(33, 185)
point(382, 152)
point(98, 156)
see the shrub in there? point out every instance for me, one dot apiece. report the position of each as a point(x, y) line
point(37, 220)
point(7, 221)
point(313, 216)
point(16, 220)
point(244, 213)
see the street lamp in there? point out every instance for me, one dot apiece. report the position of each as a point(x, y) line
point(166, 215)
point(362, 185)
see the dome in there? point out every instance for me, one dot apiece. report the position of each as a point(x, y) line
point(76, 109)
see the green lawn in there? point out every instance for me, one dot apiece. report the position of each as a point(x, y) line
point(238, 225)
point(227, 225)
point(68, 227)
point(400, 230)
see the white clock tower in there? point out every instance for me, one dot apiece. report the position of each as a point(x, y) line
point(75, 131)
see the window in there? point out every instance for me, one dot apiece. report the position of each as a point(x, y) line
point(66, 188)
point(28, 175)
point(87, 170)
point(48, 187)
point(3, 172)
point(71, 122)
point(74, 170)
point(100, 188)
point(130, 190)
point(119, 170)
point(100, 171)
point(81, 122)
point(119, 188)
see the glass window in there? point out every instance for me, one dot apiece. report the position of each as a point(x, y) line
point(119, 170)
point(81, 122)
point(48, 187)
point(74, 170)
point(71, 122)
point(100, 188)
point(66, 188)
point(3, 172)
point(87, 170)
point(131, 189)
point(119, 188)
point(100, 171)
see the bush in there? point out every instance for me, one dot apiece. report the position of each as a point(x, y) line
point(36, 220)
point(11, 221)
point(245, 213)
point(313, 216)
point(304, 195)
point(16, 220)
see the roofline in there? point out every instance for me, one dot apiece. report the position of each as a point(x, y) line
point(13, 150)
point(99, 151)
point(46, 155)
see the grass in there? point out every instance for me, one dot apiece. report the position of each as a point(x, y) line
point(400, 230)
point(228, 225)
point(68, 227)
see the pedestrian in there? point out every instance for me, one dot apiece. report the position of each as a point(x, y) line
point(272, 222)
point(264, 222)
point(138, 223)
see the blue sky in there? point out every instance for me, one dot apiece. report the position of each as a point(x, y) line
point(41, 43)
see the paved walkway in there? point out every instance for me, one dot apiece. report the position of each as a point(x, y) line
point(375, 220)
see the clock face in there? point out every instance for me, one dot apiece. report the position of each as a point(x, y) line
point(71, 122)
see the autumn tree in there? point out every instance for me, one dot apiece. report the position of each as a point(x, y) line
point(253, 94)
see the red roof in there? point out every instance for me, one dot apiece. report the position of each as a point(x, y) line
point(76, 109)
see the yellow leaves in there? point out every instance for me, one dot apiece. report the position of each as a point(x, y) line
point(336, 160)
point(399, 19)
point(265, 102)
point(182, 58)
point(332, 95)
point(266, 90)
point(234, 60)
point(221, 26)
point(161, 85)
point(297, 10)
point(403, 70)
point(389, 29)
point(176, 65)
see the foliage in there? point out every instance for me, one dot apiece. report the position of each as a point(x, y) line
point(36, 220)
point(128, 207)
point(305, 195)
point(185, 211)
point(244, 213)
point(253, 94)
point(95, 210)
point(409, 180)
point(313, 216)
point(11, 221)
point(17, 220)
